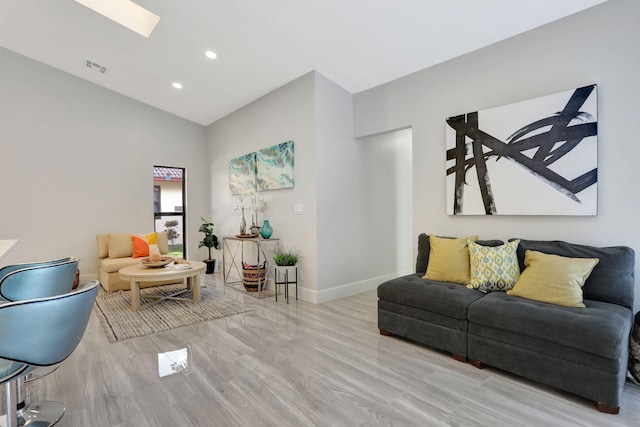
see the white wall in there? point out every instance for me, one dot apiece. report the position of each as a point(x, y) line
point(598, 46)
point(358, 199)
point(336, 179)
point(170, 195)
point(77, 160)
point(389, 176)
point(282, 115)
point(343, 247)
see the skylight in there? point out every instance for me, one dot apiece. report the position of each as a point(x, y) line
point(125, 13)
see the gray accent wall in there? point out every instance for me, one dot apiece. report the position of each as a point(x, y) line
point(598, 45)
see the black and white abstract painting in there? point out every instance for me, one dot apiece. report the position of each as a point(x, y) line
point(535, 157)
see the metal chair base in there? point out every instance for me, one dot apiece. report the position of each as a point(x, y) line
point(40, 414)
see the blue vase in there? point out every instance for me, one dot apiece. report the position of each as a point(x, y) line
point(266, 231)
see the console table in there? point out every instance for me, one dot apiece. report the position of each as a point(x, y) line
point(234, 254)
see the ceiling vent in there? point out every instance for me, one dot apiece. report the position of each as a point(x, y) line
point(96, 67)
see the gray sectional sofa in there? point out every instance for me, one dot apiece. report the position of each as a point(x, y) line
point(580, 350)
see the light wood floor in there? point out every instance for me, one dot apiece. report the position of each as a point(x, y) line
point(303, 365)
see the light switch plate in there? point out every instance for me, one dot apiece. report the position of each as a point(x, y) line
point(298, 209)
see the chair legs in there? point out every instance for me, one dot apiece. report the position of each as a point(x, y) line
point(10, 400)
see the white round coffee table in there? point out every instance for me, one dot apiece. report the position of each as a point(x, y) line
point(137, 274)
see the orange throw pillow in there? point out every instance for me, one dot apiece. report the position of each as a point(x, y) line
point(140, 245)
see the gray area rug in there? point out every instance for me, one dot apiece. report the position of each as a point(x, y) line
point(120, 323)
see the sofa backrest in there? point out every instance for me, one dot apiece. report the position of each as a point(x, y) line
point(612, 279)
point(423, 250)
point(119, 245)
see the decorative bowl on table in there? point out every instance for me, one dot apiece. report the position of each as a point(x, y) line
point(156, 262)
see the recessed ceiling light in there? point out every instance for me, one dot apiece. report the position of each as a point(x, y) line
point(211, 54)
point(177, 85)
point(125, 13)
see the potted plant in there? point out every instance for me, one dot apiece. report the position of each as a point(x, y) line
point(286, 271)
point(209, 241)
point(286, 257)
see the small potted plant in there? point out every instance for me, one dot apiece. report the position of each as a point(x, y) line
point(209, 241)
point(286, 257)
point(286, 271)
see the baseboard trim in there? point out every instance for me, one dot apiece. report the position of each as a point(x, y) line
point(316, 297)
point(86, 278)
point(337, 292)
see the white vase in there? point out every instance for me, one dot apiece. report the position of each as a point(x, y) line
point(243, 224)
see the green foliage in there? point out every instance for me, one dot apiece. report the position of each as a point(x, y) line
point(209, 240)
point(171, 225)
point(286, 256)
point(176, 251)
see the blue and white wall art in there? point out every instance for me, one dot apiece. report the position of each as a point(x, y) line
point(275, 167)
point(242, 174)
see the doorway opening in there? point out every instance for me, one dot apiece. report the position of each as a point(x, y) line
point(388, 158)
point(169, 207)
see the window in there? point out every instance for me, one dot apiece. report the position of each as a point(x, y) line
point(169, 207)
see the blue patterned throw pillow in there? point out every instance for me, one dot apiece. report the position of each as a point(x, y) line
point(493, 268)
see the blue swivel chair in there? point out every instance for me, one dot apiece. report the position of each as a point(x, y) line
point(9, 268)
point(55, 326)
point(29, 281)
point(37, 280)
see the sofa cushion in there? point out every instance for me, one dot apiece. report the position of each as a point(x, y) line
point(449, 299)
point(493, 268)
point(103, 245)
point(449, 259)
point(424, 250)
point(112, 265)
point(553, 278)
point(163, 242)
point(120, 245)
point(612, 280)
point(600, 328)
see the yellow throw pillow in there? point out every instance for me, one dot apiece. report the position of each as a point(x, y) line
point(152, 239)
point(493, 268)
point(553, 278)
point(449, 259)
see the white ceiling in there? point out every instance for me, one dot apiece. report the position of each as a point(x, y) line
point(262, 44)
